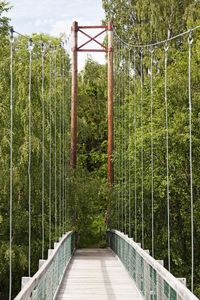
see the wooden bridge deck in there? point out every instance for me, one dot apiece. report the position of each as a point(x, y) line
point(95, 274)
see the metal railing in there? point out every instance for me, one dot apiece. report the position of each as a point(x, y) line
point(153, 280)
point(45, 283)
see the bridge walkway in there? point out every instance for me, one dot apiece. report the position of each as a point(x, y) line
point(95, 274)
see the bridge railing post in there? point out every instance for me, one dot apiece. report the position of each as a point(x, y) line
point(152, 279)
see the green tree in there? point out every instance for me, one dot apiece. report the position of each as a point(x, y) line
point(88, 185)
point(92, 118)
point(60, 92)
point(148, 21)
point(179, 160)
point(4, 21)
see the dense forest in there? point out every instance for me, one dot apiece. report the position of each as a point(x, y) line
point(81, 196)
point(79, 199)
point(141, 88)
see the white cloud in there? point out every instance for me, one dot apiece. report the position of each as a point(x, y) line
point(55, 17)
point(42, 22)
point(62, 26)
point(84, 11)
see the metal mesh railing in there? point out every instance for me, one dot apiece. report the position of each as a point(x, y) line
point(153, 280)
point(44, 284)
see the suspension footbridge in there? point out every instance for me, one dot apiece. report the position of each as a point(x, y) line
point(97, 274)
point(124, 269)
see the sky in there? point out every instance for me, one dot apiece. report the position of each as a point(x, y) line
point(56, 16)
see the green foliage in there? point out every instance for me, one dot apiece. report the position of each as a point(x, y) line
point(92, 119)
point(86, 191)
point(144, 21)
point(88, 186)
point(4, 21)
point(21, 151)
point(179, 159)
point(88, 203)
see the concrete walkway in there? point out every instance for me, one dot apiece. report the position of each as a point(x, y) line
point(96, 274)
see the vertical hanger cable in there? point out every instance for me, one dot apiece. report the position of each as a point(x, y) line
point(152, 150)
point(129, 139)
point(125, 145)
point(190, 41)
point(167, 154)
point(50, 143)
point(11, 159)
point(135, 142)
point(55, 138)
point(64, 133)
point(29, 159)
point(60, 147)
point(142, 154)
point(42, 50)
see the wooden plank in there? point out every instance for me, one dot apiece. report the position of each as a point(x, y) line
point(97, 274)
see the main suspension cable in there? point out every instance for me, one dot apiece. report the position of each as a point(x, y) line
point(28, 38)
point(157, 43)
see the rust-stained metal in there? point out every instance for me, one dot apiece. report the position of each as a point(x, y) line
point(105, 49)
point(108, 49)
point(93, 50)
point(93, 27)
point(74, 98)
point(110, 105)
point(92, 39)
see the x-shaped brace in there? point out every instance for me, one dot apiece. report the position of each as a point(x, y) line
point(92, 39)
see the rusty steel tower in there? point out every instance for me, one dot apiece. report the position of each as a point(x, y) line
point(109, 50)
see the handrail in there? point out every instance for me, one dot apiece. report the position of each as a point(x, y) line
point(48, 277)
point(154, 281)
